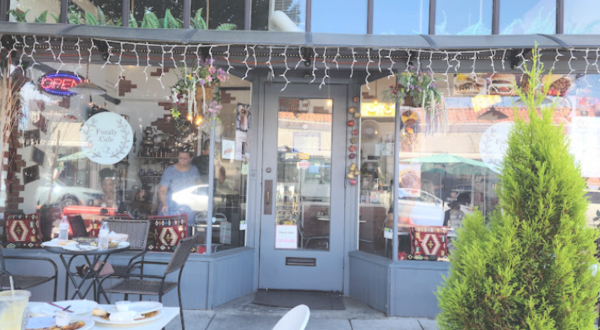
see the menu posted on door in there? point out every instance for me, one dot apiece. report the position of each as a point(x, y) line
point(286, 237)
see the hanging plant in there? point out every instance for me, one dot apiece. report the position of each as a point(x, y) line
point(419, 90)
point(197, 92)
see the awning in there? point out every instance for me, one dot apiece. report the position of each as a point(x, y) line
point(303, 39)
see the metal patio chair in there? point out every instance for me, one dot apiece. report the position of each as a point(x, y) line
point(24, 282)
point(137, 236)
point(155, 285)
point(296, 319)
point(375, 238)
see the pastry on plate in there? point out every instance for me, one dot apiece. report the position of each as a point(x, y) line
point(559, 84)
point(502, 84)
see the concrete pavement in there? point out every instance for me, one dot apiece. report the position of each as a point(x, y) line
point(242, 314)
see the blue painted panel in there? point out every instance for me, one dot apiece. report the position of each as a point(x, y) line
point(369, 280)
point(414, 284)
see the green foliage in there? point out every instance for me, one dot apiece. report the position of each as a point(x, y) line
point(531, 266)
point(150, 21)
point(226, 27)
point(197, 22)
point(132, 22)
point(42, 17)
point(19, 15)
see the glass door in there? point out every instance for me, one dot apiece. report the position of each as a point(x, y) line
point(302, 221)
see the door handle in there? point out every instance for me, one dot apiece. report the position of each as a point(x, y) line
point(267, 204)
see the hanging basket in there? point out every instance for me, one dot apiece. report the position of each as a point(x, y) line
point(207, 96)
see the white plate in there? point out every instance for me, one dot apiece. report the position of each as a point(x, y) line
point(43, 322)
point(141, 307)
point(76, 247)
point(54, 243)
point(155, 317)
point(78, 307)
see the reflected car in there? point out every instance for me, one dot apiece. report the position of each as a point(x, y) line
point(423, 208)
point(195, 197)
point(66, 195)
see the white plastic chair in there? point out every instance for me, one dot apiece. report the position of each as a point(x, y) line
point(295, 319)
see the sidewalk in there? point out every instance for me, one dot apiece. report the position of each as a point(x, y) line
point(242, 314)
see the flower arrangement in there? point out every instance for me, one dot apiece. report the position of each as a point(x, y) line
point(197, 87)
point(420, 90)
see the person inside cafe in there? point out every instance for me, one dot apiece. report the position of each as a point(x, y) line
point(175, 178)
point(107, 183)
point(454, 216)
point(201, 163)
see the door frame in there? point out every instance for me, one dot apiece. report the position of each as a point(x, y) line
point(259, 80)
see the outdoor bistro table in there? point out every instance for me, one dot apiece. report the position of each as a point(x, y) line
point(92, 257)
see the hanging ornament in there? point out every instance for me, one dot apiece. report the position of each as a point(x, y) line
point(351, 110)
point(354, 140)
point(352, 148)
point(355, 132)
point(357, 115)
point(352, 155)
point(410, 117)
point(350, 175)
point(350, 123)
point(353, 182)
point(356, 99)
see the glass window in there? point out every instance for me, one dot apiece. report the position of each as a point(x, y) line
point(336, 16)
point(413, 14)
point(448, 167)
point(32, 11)
point(581, 18)
point(155, 12)
point(303, 187)
point(527, 17)
point(286, 15)
point(463, 17)
point(376, 167)
point(90, 157)
point(222, 14)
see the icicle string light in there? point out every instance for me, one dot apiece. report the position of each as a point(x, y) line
point(408, 56)
point(32, 55)
point(448, 67)
point(558, 54)
point(337, 65)
point(571, 59)
point(492, 55)
point(120, 77)
point(23, 52)
point(301, 58)
point(78, 47)
point(137, 56)
point(173, 56)
point(353, 61)
point(184, 60)
point(147, 60)
point(596, 61)
point(109, 54)
point(326, 70)
point(49, 49)
point(287, 68)
point(391, 68)
point(503, 59)
point(587, 64)
point(227, 54)
point(430, 69)
point(162, 67)
point(269, 62)
point(369, 61)
point(62, 51)
point(245, 62)
point(379, 62)
point(314, 65)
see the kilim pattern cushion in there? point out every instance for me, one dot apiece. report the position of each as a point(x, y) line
point(428, 242)
point(23, 230)
point(165, 232)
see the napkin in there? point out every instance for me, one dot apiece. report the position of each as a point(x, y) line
point(116, 237)
point(128, 316)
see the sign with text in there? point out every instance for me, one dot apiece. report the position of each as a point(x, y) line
point(59, 83)
point(106, 138)
point(286, 237)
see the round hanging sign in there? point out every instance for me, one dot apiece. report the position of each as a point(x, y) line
point(106, 138)
point(493, 145)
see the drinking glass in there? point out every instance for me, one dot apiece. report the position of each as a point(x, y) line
point(13, 309)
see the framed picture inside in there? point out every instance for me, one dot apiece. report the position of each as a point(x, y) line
point(38, 156)
point(31, 173)
point(31, 137)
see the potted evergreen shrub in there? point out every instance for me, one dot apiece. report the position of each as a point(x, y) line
point(532, 266)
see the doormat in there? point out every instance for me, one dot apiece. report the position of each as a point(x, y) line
point(290, 299)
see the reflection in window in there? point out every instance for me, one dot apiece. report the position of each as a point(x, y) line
point(222, 14)
point(151, 13)
point(336, 16)
point(287, 15)
point(463, 17)
point(304, 171)
point(57, 173)
point(34, 11)
point(527, 17)
point(414, 16)
point(581, 17)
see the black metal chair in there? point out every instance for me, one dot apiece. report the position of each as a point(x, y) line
point(375, 238)
point(137, 236)
point(157, 286)
point(24, 282)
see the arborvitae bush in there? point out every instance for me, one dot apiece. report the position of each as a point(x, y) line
point(530, 267)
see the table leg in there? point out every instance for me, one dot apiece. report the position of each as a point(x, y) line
point(70, 277)
point(91, 270)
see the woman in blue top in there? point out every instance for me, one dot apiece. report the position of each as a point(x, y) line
point(176, 178)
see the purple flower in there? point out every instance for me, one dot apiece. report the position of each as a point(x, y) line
point(212, 70)
point(419, 89)
point(201, 81)
point(434, 85)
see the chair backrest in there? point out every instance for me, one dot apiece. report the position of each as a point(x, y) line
point(136, 230)
point(181, 254)
point(295, 319)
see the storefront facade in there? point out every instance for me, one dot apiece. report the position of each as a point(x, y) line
point(305, 136)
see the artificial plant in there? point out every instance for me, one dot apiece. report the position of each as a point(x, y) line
point(532, 266)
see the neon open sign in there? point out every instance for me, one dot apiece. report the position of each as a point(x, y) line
point(59, 83)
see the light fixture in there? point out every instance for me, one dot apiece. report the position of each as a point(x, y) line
point(87, 87)
point(199, 120)
point(376, 102)
point(189, 117)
